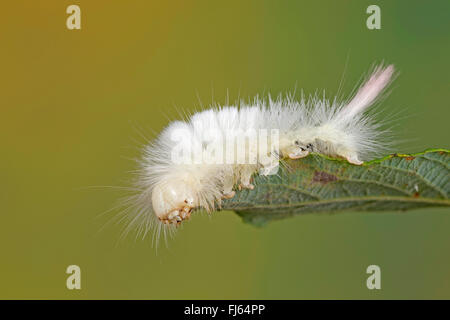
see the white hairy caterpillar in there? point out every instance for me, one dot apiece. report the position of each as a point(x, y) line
point(171, 189)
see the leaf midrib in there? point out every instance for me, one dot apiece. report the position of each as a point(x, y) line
point(339, 200)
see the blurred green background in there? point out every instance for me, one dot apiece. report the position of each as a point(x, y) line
point(75, 102)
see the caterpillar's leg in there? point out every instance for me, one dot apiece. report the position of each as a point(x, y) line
point(349, 155)
point(228, 184)
point(269, 164)
point(298, 153)
point(353, 159)
point(245, 176)
point(177, 216)
point(269, 169)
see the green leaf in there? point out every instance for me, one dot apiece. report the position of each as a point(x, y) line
point(318, 183)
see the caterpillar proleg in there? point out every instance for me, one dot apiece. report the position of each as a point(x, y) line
point(200, 161)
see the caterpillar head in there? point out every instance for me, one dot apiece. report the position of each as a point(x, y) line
point(173, 201)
